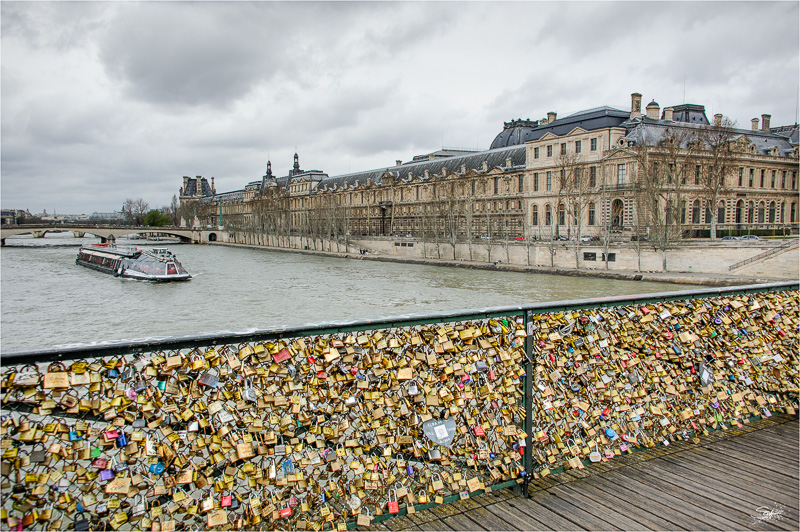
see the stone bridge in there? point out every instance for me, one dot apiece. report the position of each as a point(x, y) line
point(106, 233)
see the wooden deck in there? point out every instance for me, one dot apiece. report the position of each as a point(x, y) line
point(726, 482)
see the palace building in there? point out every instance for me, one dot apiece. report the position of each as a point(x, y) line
point(600, 173)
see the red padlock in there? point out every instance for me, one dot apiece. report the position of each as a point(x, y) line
point(394, 506)
point(226, 501)
point(478, 430)
point(286, 512)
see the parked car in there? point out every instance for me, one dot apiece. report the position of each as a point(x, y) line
point(634, 238)
point(750, 237)
point(589, 239)
point(730, 238)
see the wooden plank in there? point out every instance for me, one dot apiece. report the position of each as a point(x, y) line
point(735, 469)
point(645, 505)
point(505, 517)
point(603, 499)
point(436, 525)
point(764, 465)
point(572, 512)
point(765, 450)
point(631, 479)
point(462, 522)
point(549, 519)
point(400, 522)
point(701, 495)
point(610, 511)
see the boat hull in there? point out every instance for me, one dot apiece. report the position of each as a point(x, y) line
point(131, 263)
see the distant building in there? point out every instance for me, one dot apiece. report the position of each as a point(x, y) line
point(14, 216)
point(588, 174)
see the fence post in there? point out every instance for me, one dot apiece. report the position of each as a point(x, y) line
point(528, 383)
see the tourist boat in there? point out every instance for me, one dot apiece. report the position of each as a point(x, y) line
point(158, 264)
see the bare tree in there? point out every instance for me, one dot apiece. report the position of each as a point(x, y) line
point(573, 193)
point(469, 216)
point(716, 142)
point(135, 210)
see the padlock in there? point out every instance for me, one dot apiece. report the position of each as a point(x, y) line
point(394, 506)
point(81, 524)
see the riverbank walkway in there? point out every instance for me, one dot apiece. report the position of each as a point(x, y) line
point(689, 278)
point(737, 479)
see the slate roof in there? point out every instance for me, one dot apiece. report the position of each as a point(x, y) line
point(191, 187)
point(472, 161)
point(520, 132)
point(646, 131)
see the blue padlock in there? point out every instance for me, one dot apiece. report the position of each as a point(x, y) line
point(409, 469)
point(611, 433)
point(161, 385)
point(157, 468)
point(122, 440)
point(74, 436)
point(112, 373)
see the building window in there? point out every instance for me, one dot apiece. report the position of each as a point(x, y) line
point(721, 212)
point(739, 211)
point(697, 174)
point(611, 257)
point(536, 153)
point(592, 176)
point(752, 174)
point(417, 191)
point(783, 210)
point(550, 150)
point(591, 213)
point(772, 212)
point(547, 217)
point(620, 174)
point(593, 144)
point(617, 212)
point(577, 146)
point(696, 212)
point(589, 256)
point(773, 179)
point(473, 187)
point(783, 180)
point(520, 182)
point(535, 215)
point(549, 180)
point(750, 213)
point(496, 185)
point(563, 148)
point(761, 212)
point(792, 216)
point(794, 180)
point(562, 214)
point(741, 177)
point(763, 172)
point(536, 181)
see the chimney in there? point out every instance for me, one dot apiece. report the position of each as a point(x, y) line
point(551, 116)
point(652, 110)
point(213, 190)
point(508, 162)
point(636, 105)
point(199, 185)
point(718, 120)
point(668, 113)
point(185, 182)
point(398, 162)
point(765, 122)
point(754, 124)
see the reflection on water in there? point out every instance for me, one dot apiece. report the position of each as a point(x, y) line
point(49, 300)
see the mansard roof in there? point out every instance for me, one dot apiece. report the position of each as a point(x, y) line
point(191, 186)
point(649, 132)
point(472, 161)
point(521, 131)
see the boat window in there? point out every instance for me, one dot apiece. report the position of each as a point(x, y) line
point(171, 270)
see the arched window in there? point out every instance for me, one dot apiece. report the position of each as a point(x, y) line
point(547, 215)
point(617, 211)
point(696, 212)
point(535, 215)
point(683, 212)
point(591, 213)
point(761, 212)
point(708, 211)
point(772, 212)
point(721, 212)
point(739, 211)
point(562, 214)
point(750, 212)
point(783, 210)
point(792, 215)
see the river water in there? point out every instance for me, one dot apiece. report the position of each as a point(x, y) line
point(48, 300)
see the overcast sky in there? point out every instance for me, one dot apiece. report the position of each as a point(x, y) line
point(107, 101)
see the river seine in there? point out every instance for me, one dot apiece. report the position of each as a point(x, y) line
point(48, 300)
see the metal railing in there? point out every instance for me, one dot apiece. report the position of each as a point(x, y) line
point(511, 380)
point(763, 255)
